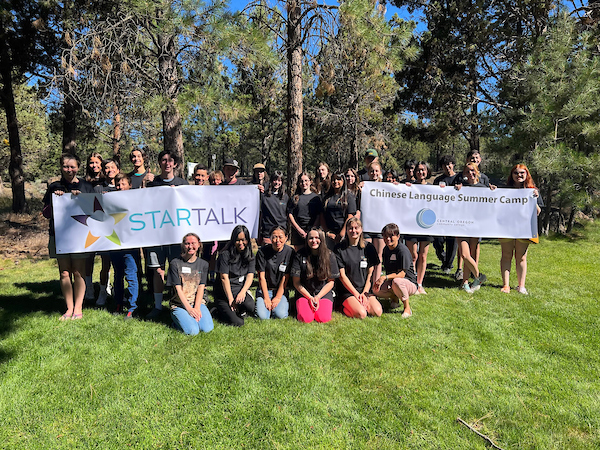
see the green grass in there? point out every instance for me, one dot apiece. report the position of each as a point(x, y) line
point(523, 369)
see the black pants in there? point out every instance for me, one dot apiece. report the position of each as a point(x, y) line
point(447, 256)
point(230, 317)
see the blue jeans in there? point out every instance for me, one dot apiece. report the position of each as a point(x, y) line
point(280, 312)
point(125, 263)
point(186, 323)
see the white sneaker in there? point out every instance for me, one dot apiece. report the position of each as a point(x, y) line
point(522, 290)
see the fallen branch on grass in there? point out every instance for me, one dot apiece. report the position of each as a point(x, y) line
point(492, 443)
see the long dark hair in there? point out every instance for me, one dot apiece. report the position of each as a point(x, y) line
point(321, 268)
point(89, 175)
point(322, 185)
point(246, 255)
point(277, 175)
point(343, 200)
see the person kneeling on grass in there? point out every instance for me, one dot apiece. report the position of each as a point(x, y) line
point(400, 281)
point(314, 271)
point(188, 277)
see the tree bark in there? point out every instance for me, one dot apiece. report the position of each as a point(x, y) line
point(294, 90)
point(15, 167)
point(69, 137)
point(173, 134)
point(116, 140)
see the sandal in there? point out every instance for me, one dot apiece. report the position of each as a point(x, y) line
point(77, 316)
point(65, 316)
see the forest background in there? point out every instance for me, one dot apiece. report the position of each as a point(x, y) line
point(293, 83)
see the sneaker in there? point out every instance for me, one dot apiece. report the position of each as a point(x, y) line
point(522, 290)
point(129, 315)
point(458, 275)
point(505, 289)
point(420, 289)
point(466, 288)
point(102, 298)
point(406, 315)
point(477, 282)
point(394, 305)
point(447, 270)
point(154, 314)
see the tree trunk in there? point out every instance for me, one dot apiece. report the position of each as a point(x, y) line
point(69, 138)
point(173, 134)
point(547, 210)
point(15, 167)
point(571, 219)
point(172, 127)
point(116, 140)
point(294, 92)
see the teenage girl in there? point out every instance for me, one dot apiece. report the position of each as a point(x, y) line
point(71, 266)
point(338, 206)
point(236, 266)
point(519, 178)
point(419, 245)
point(273, 264)
point(356, 260)
point(304, 209)
point(468, 246)
point(314, 271)
point(187, 275)
point(273, 207)
point(322, 178)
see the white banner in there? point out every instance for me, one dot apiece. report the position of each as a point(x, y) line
point(153, 216)
point(436, 211)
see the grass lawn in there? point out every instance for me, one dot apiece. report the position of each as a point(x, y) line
point(523, 370)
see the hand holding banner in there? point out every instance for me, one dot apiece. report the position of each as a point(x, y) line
point(149, 217)
point(446, 211)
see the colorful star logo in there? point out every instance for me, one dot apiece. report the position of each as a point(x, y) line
point(100, 224)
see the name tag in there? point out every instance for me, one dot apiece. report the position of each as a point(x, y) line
point(282, 267)
point(393, 257)
point(363, 264)
point(186, 270)
point(241, 280)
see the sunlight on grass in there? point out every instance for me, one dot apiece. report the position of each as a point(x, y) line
point(523, 370)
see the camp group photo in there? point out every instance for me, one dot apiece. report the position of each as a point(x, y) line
point(299, 224)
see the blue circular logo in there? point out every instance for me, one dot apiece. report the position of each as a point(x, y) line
point(426, 218)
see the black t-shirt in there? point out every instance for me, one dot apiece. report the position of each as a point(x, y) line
point(274, 264)
point(236, 269)
point(175, 181)
point(238, 182)
point(356, 262)
point(273, 211)
point(397, 260)
point(307, 210)
point(187, 275)
point(363, 175)
point(62, 185)
point(137, 179)
point(335, 213)
point(448, 179)
point(313, 285)
point(104, 188)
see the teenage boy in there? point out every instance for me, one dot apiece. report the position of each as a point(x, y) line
point(400, 280)
point(200, 175)
point(157, 257)
point(371, 156)
point(140, 175)
point(448, 164)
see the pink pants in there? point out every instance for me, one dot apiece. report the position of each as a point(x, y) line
point(407, 287)
point(307, 315)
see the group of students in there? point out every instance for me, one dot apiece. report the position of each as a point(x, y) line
point(332, 262)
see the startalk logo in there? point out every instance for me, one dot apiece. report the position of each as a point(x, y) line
point(100, 223)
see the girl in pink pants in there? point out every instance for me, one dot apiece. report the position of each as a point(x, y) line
point(314, 270)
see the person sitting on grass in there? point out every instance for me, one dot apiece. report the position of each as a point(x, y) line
point(273, 264)
point(400, 280)
point(187, 275)
point(235, 266)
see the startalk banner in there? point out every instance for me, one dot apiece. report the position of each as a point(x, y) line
point(154, 216)
point(437, 211)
